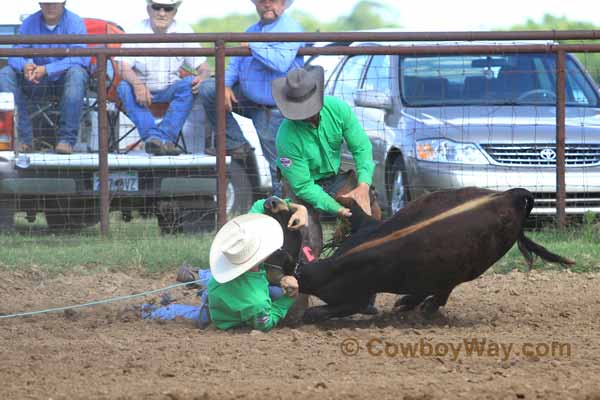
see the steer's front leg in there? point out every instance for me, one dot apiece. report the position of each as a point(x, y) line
point(317, 314)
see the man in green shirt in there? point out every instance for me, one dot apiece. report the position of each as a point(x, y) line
point(309, 148)
point(309, 142)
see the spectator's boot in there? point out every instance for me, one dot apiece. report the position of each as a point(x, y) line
point(63, 148)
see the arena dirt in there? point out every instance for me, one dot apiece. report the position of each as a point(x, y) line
point(107, 352)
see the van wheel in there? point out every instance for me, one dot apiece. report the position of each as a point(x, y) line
point(398, 194)
point(239, 189)
point(7, 216)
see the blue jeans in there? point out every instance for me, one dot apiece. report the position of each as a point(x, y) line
point(266, 120)
point(193, 312)
point(180, 98)
point(71, 88)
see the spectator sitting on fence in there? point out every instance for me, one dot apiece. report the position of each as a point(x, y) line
point(45, 78)
point(236, 289)
point(248, 84)
point(148, 80)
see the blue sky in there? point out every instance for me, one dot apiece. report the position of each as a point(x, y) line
point(424, 15)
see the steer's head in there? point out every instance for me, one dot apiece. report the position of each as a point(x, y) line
point(287, 256)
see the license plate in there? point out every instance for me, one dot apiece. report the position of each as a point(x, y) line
point(119, 182)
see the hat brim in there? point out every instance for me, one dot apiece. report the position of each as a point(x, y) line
point(288, 3)
point(266, 229)
point(299, 110)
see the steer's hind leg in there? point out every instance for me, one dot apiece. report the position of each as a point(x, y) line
point(432, 304)
point(408, 302)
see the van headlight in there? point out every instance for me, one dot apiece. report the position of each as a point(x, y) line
point(444, 150)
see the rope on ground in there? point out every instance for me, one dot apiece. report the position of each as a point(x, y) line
point(95, 303)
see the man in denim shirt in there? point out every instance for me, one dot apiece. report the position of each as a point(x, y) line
point(40, 77)
point(248, 82)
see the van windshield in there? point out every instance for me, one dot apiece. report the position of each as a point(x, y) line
point(510, 79)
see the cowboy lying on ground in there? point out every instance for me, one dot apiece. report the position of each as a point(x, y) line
point(237, 292)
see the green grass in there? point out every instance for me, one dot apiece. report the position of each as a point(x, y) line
point(134, 245)
point(138, 245)
point(579, 243)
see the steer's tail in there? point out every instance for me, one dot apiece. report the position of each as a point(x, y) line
point(529, 248)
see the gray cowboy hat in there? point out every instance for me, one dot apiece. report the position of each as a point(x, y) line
point(288, 3)
point(299, 95)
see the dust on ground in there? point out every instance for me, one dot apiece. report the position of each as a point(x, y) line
point(550, 319)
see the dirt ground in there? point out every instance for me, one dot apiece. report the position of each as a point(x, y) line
point(550, 319)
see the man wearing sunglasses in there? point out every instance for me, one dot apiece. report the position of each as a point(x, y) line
point(40, 78)
point(248, 83)
point(148, 80)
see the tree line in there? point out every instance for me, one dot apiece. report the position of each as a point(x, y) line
point(371, 14)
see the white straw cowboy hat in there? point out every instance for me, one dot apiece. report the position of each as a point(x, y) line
point(242, 243)
point(299, 95)
point(288, 3)
point(174, 3)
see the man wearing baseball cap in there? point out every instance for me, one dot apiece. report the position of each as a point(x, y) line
point(248, 83)
point(148, 80)
point(39, 77)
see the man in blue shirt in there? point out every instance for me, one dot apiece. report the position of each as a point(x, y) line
point(248, 83)
point(35, 78)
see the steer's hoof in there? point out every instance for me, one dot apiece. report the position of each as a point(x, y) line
point(315, 314)
point(406, 303)
point(430, 308)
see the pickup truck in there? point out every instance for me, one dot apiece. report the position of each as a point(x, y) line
point(179, 190)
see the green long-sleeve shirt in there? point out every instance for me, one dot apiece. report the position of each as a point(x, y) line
point(245, 301)
point(307, 154)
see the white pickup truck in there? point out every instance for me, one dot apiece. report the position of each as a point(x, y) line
point(179, 190)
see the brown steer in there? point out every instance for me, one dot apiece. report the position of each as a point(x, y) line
point(424, 251)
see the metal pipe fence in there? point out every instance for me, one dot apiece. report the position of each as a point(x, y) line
point(220, 51)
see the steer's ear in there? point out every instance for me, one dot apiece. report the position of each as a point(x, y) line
point(359, 218)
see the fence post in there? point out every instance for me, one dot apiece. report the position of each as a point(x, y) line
point(220, 140)
point(560, 140)
point(103, 145)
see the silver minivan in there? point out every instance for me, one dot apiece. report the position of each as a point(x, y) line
point(486, 120)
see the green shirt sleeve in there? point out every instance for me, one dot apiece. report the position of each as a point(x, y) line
point(259, 206)
point(298, 174)
point(358, 144)
point(266, 319)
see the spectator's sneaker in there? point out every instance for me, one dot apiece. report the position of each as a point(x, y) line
point(155, 147)
point(63, 148)
point(25, 148)
point(171, 149)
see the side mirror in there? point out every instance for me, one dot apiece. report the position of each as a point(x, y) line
point(373, 99)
